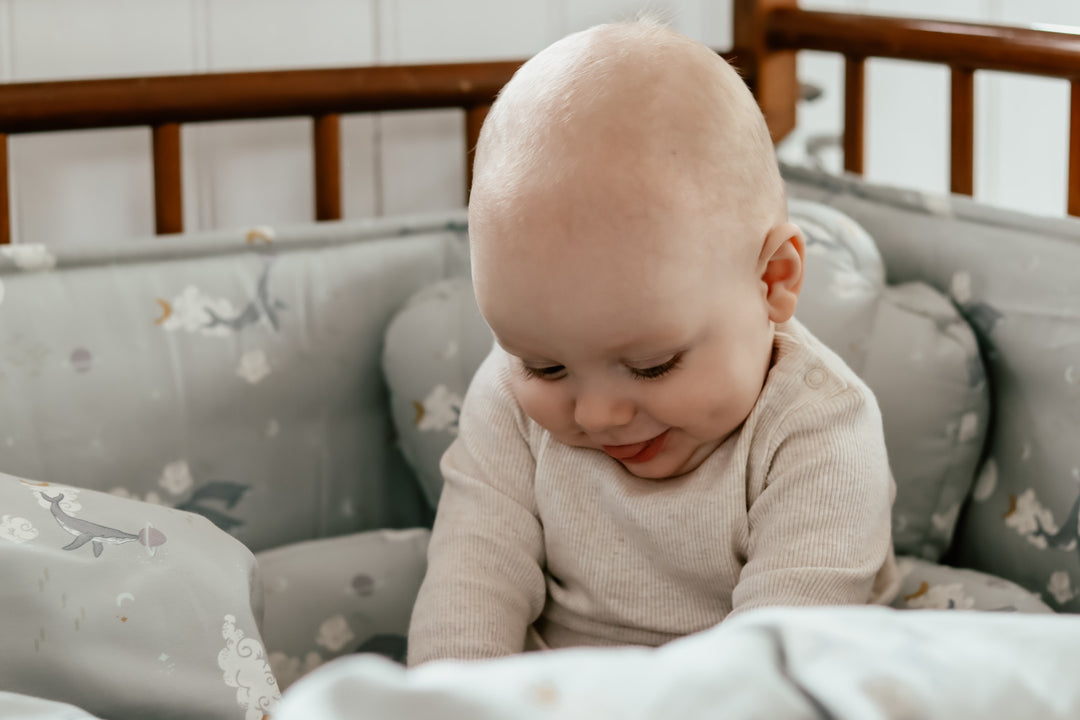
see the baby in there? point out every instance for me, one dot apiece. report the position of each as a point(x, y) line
point(654, 444)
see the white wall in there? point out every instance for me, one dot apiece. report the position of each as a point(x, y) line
point(1021, 123)
point(80, 187)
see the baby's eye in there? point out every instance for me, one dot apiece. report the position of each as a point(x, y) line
point(651, 373)
point(552, 372)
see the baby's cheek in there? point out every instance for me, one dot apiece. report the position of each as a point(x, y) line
point(542, 402)
point(732, 394)
point(694, 406)
point(700, 401)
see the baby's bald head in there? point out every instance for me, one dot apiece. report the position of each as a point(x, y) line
point(630, 119)
point(630, 249)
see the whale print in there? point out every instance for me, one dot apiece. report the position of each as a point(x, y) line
point(225, 493)
point(197, 312)
point(95, 534)
point(261, 305)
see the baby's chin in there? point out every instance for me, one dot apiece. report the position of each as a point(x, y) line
point(672, 462)
point(660, 469)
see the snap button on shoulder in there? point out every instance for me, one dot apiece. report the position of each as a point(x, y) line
point(815, 377)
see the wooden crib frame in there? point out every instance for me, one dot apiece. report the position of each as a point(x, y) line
point(767, 35)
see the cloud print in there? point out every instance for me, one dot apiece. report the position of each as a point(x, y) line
point(244, 663)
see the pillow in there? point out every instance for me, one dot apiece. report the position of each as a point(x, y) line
point(1013, 276)
point(326, 598)
point(845, 279)
point(127, 609)
point(929, 586)
point(434, 345)
point(911, 346)
point(919, 356)
point(923, 364)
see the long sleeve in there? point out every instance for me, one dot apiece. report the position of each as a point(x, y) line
point(485, 584)
point(819, 529)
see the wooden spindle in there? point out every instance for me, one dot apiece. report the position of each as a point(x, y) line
point(474, 120)
point(776, 86)
point(328, 167)
point(5, 207)
point(1074, 149)
point(962, 131)
point(168, 183)
point(854, 112)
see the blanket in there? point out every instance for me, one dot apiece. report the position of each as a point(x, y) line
point(852, 662)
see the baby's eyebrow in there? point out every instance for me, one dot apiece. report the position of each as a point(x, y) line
point(652, 348)
point(654, 358)
point(642, 351)
point(515, 352)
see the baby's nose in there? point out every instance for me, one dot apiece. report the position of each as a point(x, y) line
point(599, 411)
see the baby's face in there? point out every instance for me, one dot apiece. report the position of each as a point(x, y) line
point(624, 336)
point(624, 197)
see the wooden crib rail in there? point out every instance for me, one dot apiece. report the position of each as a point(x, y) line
point(767, 34)
point(781, 27)
point(164, 103)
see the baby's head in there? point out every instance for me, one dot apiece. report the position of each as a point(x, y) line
point(630, 244)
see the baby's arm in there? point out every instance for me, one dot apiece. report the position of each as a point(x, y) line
point(820, 529)
point(485, 584)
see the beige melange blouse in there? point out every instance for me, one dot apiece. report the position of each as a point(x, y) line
point(537, 538)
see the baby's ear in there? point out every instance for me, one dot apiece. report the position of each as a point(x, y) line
point(781, 264)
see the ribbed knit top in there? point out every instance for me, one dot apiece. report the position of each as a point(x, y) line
point(537, 539)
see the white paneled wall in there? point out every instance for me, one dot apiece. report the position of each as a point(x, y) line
point(7, 52)
point(1021, 123)
point(261, 171)
point(423, 164)
point(79, 186)
point(1026, 144)
point(911, 100)
point(90, 186)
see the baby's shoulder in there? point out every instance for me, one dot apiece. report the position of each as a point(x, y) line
point(819, 414)
point(806, 367)
point(809, 383)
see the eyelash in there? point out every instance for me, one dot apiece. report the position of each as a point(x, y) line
point(651, 373)
point(545, 373)
point(657, 371)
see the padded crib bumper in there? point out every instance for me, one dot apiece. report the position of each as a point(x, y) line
point(1013, 278)
point(234, 374)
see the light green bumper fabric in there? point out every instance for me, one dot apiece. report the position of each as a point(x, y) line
point(1016, 279)
point(233, 375)
point(331, 597)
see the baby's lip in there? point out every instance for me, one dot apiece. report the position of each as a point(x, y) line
point(624, 452)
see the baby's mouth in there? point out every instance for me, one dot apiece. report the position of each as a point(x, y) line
point(637, 452)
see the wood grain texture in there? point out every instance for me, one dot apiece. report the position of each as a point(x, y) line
point(772, 69)
point(973, 45)
point(962, 131)
point(1074, 148)
point(168, 182)
point(80, 104)
point(327, 152)
point(854, 113)
point(5, 204)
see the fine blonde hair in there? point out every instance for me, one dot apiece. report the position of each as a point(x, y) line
point(652, 74)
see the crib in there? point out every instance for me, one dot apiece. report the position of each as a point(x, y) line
point(219, 450)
